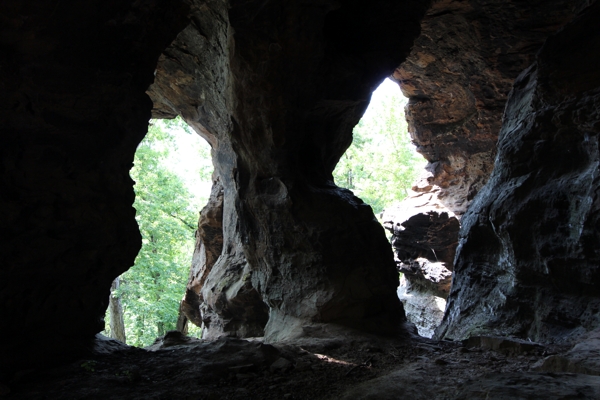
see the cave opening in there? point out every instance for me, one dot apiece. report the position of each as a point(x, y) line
point(382, 163)
point(384, 169)
point(74, 108)
point(173, 178)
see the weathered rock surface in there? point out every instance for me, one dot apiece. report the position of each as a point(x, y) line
point(275, 87)
point(509, 346)
point(424, 239)
point(408, 384)
point(457, 79)
point(292, 241)
point(209, 245)
point(583, 358)
point(194, 80)
point(422, 307)
point(346, 366)
point(221, 308)
point(171, 339)
point(521, 386)
point(528, 259)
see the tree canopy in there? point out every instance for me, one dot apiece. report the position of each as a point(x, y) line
point(167, 215)
point(381, 164)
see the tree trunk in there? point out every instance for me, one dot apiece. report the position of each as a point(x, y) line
point(182, 321)
point(117, 326)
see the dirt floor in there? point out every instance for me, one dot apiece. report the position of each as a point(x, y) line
point(345, 366)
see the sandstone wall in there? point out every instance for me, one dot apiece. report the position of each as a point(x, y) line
point(276, 88)
point(457, 77)
point(528, 261)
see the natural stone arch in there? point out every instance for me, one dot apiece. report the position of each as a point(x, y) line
point(276, 141)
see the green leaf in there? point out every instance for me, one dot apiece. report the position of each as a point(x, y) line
point(167, 215)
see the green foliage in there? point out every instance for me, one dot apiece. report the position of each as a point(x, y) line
point(381, 164)
point(167, 215)
point(89, 365)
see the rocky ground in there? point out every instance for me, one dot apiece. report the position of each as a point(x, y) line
point(344, 366)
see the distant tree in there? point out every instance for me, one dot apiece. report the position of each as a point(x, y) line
point(381, 164)
point(167, 215)
point(115, 310)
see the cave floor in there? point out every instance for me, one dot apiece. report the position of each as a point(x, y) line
point(341, 367)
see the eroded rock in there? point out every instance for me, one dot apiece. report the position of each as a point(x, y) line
point(293, 243)
point(338, 365)
point(504, 345)
point(583, 358)
point(457, 79)
point(72, 112)
point(106, 345)
point(424, 239)
point(527, 261)
point(422, 307)
point(532, 385)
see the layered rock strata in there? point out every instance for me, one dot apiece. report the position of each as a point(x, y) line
point(528, 259)
point(457, 78)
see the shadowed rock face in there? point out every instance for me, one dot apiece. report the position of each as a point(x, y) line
point(275, 87)
point(72, 111)
point(528, 259)
point(457, 77)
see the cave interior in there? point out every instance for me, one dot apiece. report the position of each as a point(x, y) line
point(504, 103)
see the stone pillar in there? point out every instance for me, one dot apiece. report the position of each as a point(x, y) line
point(276, 88)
